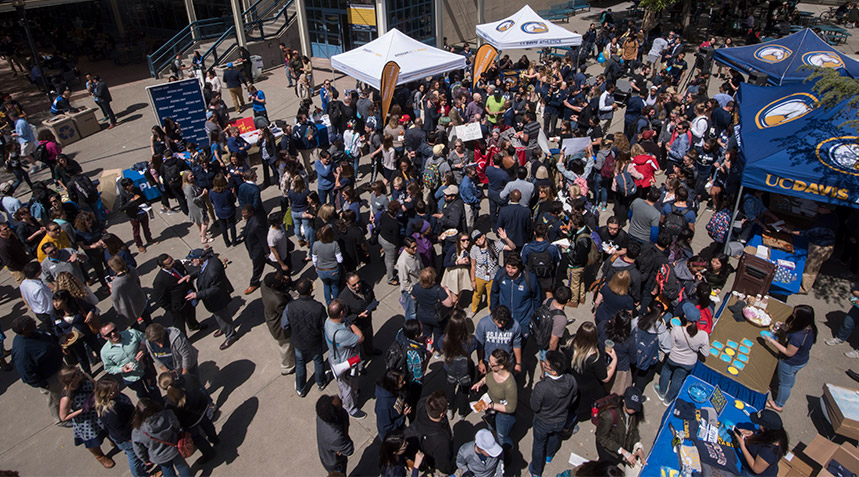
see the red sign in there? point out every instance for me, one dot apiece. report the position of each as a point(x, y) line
point(244, 124)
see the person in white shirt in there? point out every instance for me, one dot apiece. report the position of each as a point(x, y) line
point(700, 125)
point(607, 106)
point(37, 295)
point(214, 81)
point(277, 244)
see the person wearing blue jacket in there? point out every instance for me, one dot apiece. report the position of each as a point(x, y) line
point(541, 244)
point(224, 204)
point(325, 168)
point(471, 195)
point(249, 193)
point(517, 289)
point(391, 407)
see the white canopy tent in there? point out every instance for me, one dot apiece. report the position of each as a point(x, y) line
point(416, 60)
point(526, 29)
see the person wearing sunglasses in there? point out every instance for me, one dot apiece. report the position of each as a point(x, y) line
point(124, 355)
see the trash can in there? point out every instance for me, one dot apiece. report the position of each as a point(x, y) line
point(256, 66)
point(86, 121)
point(63, 128)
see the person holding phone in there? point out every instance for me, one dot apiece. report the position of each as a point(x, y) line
point(360, 301)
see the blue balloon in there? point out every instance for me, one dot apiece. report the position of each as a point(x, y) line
point(601, 58)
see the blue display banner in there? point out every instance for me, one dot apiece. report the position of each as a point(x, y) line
point(183, 102)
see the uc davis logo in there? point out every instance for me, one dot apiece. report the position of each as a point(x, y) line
point(823, 59)
point(785, 110)
point(505, 25)
point(772, 53)
point(534, 27)
point(840, 153)
point(67, 132)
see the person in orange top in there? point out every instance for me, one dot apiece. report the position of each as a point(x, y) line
point(54, 235)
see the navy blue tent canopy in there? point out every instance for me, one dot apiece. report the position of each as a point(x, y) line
point(782, 59)
point(793, 147)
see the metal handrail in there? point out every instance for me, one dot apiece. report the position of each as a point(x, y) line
point(282, 12)
point(182, 42)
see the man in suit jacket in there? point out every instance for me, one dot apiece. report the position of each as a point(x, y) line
point(215, 291)
point(256, 241)
point(171, 285)
point(275, 297)
point(515, 219)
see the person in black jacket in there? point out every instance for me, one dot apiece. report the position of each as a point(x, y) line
point(332, 434)
point(38, 358)
point(391, 407)
point(360, 301)
point(187, 399)
point(115, 411)
point(275, 297)
point(451, 216)
point(171, 176)
point(171, 286)
point(305, 318)
point(431, 430)
point(215, 291)
point(550, 402)
point(256, 242)
point(515, 219)
point(653, 256)
point(131, 200)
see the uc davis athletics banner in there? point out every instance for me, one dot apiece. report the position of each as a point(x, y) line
point(390, 74)
point(485, 56)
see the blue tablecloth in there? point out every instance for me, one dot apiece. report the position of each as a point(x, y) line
point(150, 192)
point(663, 455)
point(800, 253)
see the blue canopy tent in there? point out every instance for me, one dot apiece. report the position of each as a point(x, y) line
point(792, 147)
point(782, 59)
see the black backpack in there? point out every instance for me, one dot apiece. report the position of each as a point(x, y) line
point(172, 172)
point(540, 264)
point(395, 357)
point(675, 221)
point(85, 189)
point(41, 153)
point(541, 325)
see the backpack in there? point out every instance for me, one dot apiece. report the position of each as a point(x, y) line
point(541, 325)
point(41, 153)
point(675, 221)
point(540, 263)
point(85, 189)
point(718, 226)
point(647, 349)
point(431, 177)
point(668, 285)
point(334, 112)
point(625, 184)
point(395, 357)
point(172, 172)
point(607, 169)
point(593, 252)
point(612, 402)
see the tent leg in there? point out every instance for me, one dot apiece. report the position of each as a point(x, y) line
point(733, 218)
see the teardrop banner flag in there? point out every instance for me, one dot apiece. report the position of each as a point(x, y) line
point(390, 74)
point(486, 54)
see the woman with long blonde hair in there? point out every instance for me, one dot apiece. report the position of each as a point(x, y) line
point(78, 289)
point(186, 398)
point(196, 198)
point(612, 298)
point(115, 410)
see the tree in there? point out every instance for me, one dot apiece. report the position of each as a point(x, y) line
point(832, 89)
point(652, 8)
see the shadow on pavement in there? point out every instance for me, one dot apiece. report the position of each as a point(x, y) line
point(233, 434)
point(228, 378)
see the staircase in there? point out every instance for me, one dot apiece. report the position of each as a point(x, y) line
point(216, 39)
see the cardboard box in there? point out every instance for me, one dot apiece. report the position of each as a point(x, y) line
point(796, 464)
point(823, 451)
point(843, 425)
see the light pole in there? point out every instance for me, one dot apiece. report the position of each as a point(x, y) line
point(22, 12)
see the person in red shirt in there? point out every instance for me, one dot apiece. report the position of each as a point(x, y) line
point(704, 305)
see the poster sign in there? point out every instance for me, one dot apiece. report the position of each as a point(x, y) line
point(390, 74)
point(183, 102)
point(575, 145)
point(245, 125)
point(469, 132)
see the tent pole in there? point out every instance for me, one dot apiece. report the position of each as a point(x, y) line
point(733, 218)
point(480, 20)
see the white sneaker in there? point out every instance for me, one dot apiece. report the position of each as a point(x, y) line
point(833, 341)
point(852, 354)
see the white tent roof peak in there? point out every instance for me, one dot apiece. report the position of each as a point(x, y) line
point(417, 60)
point(526, 29)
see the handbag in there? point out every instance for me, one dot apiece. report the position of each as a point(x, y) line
point(185, 444)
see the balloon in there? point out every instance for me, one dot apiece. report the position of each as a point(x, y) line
point(601, 58)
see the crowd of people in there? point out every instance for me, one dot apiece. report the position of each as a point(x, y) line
point(509, 267)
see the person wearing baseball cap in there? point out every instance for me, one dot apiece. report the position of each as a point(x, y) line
point(452, 213)
point(480, 457)
point(617, 437)
point(687, 343)
point(762, 449)
point(214, 290)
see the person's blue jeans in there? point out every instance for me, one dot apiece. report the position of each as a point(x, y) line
point(301, 369)
point(138, 468)
point(20, 176)
point(547, 441)
point(330, 284)
point(503, 426)
point(408, 306)
point(301, 224)
point(176, 467)
point(672, 378)
point(288, 77)
point(495, 204)
point(786, 378)
point(849, 323)
point(600, 192)
point(326, 196)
